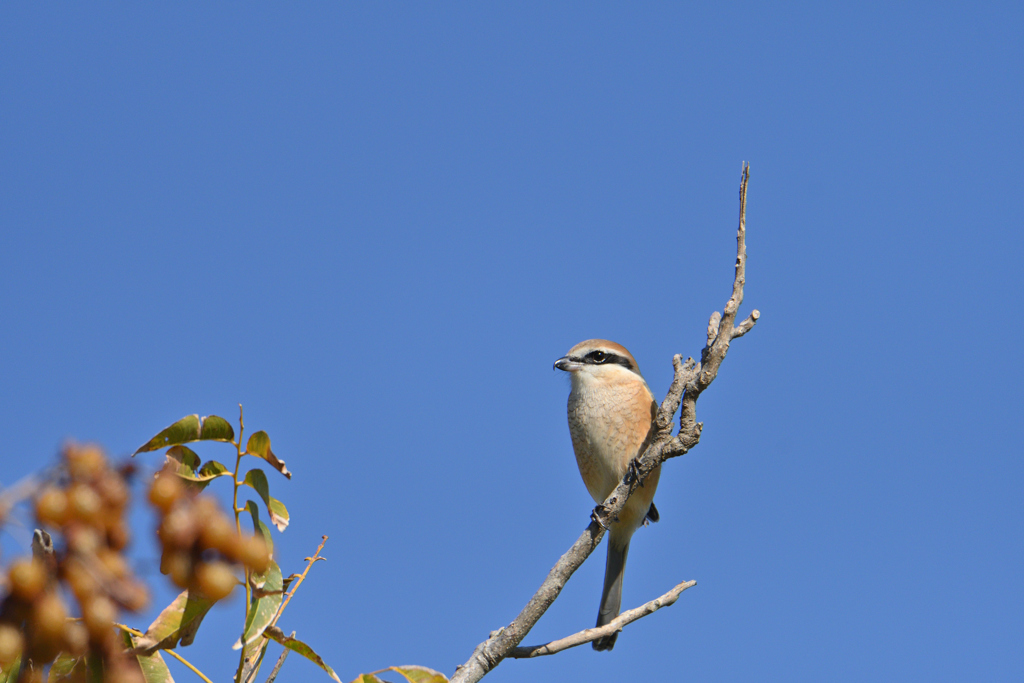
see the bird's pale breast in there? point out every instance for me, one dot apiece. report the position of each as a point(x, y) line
point(609, 423)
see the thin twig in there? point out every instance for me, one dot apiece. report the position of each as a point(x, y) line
point(280, 662)
point(298, 581)
point(691, 378)
point(238, 529)
point(591, 634)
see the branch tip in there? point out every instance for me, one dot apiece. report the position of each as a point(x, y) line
point(592, 634)
point(746, 325)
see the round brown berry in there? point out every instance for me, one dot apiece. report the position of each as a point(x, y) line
point(85, 503)
point(52, 506)
point(12, 643)
point(27, 579)
point(166, 490)
point(98, 614)
point(47, 623)
point(255, 554)
point(215, 579)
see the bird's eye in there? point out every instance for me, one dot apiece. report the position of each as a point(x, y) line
point(598, 356)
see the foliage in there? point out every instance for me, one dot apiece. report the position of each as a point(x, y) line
point(61, 612)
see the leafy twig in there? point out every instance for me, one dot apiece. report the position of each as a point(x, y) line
point(298, 582)
point(238, 528)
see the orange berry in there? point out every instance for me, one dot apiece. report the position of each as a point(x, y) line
point(84, 539)
point(27, 579)
point(166, 490)
point(12, 643)
point(52, 506)
point(216, 531)
point(179, 529)
point(98, 615)
point(85, 462)
point(76, 638)
point(215, 579)
point(178, 566)
point(48, 615)
point(85, 503)
point(255, 554)
point(113, 490)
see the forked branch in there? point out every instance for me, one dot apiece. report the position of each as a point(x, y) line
point(592, 634)
point(690, 380)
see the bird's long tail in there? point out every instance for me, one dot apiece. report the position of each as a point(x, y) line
point(611, 597)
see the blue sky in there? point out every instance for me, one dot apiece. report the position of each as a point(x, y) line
point(378, 226)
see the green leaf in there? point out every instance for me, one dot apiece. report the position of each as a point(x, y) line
point(259, 445)
point(419, 674)
point(154, 670)
point(264, 606)
point(67, 669)
point(9, 672)
point(216, 429)
point(94, 668)
point(188, 429)
point(186, 464)
point(212, 469)
point(184, 458)
point(178, 622)
point(412, 673)
point(257, 524)
point(278, 512)
point(297, 645)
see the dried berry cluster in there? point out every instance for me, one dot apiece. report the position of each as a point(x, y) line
point(85, 504)
point(199, 541)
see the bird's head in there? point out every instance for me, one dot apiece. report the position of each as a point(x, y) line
point(599, 360)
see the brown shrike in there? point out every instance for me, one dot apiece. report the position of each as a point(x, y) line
point(611, 415)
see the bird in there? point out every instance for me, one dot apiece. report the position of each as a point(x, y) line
point(611, 420)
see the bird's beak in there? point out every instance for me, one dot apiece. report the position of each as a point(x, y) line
point(565, 363)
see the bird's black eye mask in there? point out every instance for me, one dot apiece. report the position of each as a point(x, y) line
point(604, 358)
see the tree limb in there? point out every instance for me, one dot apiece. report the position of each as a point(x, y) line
point(591, 634)
point(690, 380)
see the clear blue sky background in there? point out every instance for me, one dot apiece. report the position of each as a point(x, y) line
point(378, 226)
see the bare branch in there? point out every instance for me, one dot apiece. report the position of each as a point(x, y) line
point(746, 325)
point(691, 378)
point(591, 634)
point(713, 325)
point(685, 372)
point(280, 662)
point(714, 353)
